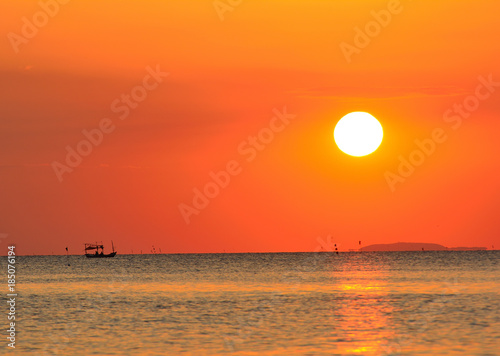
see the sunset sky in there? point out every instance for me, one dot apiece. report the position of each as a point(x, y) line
point(431, 66)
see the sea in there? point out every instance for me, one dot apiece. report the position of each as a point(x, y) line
point(319, 303)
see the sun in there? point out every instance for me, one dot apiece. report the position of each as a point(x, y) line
point(358, 134)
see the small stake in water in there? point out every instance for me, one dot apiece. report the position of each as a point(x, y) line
point(67, 256)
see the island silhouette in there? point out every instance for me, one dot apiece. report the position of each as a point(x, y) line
point(415, 246)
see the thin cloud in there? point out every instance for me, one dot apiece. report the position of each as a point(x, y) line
point(25, 165)
point(101, 165)
point(380, 92)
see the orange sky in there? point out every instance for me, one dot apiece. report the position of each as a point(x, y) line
point(227, 79)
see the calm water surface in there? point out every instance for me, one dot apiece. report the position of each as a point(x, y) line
point(393, 303)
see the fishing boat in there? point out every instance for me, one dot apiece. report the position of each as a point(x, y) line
point(99, 251)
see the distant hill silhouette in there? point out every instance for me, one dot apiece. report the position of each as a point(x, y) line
point(415, 246)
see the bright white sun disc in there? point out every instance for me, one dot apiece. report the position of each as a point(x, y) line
point(358, 134)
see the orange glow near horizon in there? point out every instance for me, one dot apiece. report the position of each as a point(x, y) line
point(232, 150)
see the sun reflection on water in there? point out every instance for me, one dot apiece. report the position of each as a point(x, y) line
point(364, 316)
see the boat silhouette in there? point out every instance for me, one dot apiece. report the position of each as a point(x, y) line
point(99, 251)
